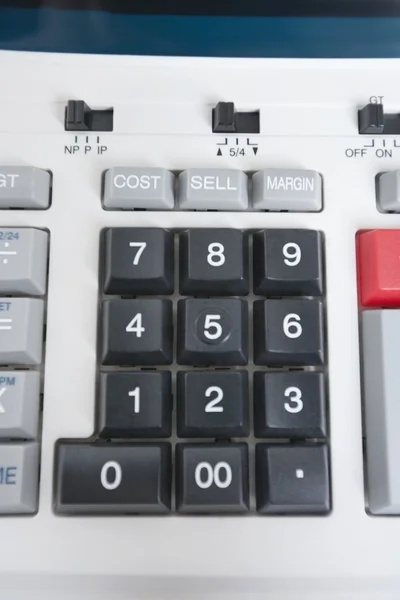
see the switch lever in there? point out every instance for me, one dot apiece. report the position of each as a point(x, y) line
point(226, 120)
point(80, 117)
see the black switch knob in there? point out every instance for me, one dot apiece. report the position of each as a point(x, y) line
point(226, 120)
point(80, 117)
point(371, 119)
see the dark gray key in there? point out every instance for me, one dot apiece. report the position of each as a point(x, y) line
point(137, 332)
point(288, 332)
point(134, 404)
point(212, 332)
point(289, 405)
point(138, 261)
point(213, 404)
point(292, 479)
point(214, 262)
point(112, 478)
point(287, 262)
point(212, 478)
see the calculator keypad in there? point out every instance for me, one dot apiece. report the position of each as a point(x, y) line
point(178, 370)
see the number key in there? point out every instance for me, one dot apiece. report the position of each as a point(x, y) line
point(212, 404)
point(287, 262)
point(135, 404)
point(137, 332)
point(288, 332)
point(212, 332)
point(212, 478)
point(138, 261)
point(214, 262)
point(289, 405)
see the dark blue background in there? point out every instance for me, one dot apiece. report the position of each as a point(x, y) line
point(49, 29)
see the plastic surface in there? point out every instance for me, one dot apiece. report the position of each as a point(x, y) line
point(308, 120)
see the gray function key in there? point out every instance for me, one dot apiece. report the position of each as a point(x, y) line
point(294, 190)
point(213, 189)
point(23, 261)
point(19, 404)
point(24, 187)
point(21, 331)
point(138, 187)
point(389, 192)
point(19, 478)
point(381, 375)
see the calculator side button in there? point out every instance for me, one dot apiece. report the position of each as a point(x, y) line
point(110, 478)
point(24, 187)
point(21, 331)
point(388, 197)
point(295, 190)
point(292, 479)
point(19, 404)
point(212, 478)
point(19, 478)
point(128, 188)
point(23, 261)
point(381, 384)
point(213, 189)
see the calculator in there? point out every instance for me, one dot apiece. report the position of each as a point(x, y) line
point(199, 322)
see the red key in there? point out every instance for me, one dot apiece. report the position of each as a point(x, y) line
point(378, 257)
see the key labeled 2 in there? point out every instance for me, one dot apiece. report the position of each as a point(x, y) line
point(137, 332)
point(288, 332)
point(212, 404)
point(212, 478)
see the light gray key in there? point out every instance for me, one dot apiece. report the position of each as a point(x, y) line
point(21, 331)
point(389, 191)
point(139, 187)
point(23, 261)
point(19, 478)
point(24, 187)
point(19, 404)
point(295, 190)
point(381, 375)
point(213, 189)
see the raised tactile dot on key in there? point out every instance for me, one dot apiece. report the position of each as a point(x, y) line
point(294, 190)
point(212, 332)
point(213, 262)
point(138, 261)
point(288, 262)
point(213, 189)
point(149, 188)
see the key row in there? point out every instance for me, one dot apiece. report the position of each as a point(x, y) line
point(286, 262)
point(211, 404)
point(96, 478)
point(153, 188)
point(210, 332)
